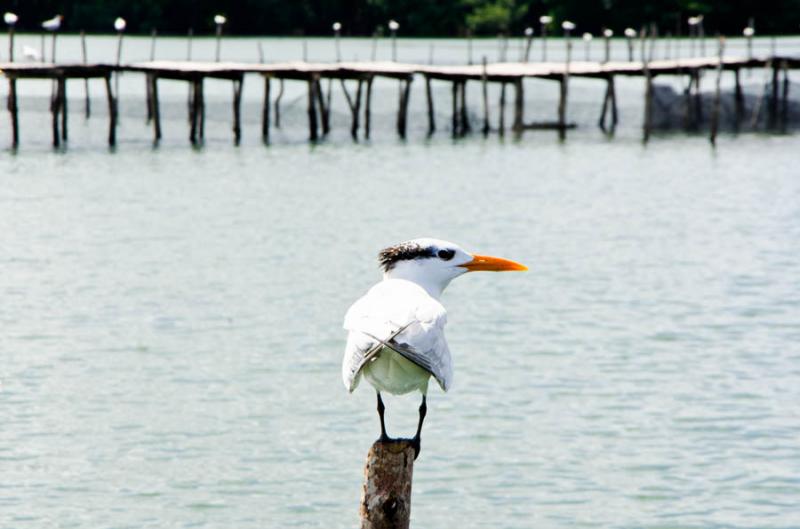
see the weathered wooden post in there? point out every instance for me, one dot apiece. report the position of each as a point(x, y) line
point(648, 92)
point(13, 109)
point(368, 107)
point(501, 122)
point(402, 113)
point(431, 115)
point(715, 108)
point(386, 494)
point(265, 111)
point(112, 112)
point(87, 106)
point(465, 126)
point(63, 89)
point(153, 78)
point(277, 104)
point(312, 112)
point(237, 109)
point(454, 124)
point(485, 88)
point(519, 106)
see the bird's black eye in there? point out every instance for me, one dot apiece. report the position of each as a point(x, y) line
point(446, 255)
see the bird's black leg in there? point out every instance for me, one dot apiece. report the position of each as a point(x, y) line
point(381, 409)
point(417, 440)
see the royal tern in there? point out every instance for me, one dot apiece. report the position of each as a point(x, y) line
point(52, 24)
point(396, 330)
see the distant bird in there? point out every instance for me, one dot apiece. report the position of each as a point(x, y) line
point(630, 33)
point(10, 18)
point(394, 25)
point(53, 24)
point(337, 26)
point(396, 330)
point(545, 19)
point(32, 54)
point(120, 24)
point(567, 25)
point(608, 33)
point(529, 31)
point(220, 19)
point(748, 31)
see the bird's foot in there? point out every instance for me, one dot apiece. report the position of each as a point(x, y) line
point(416, 444)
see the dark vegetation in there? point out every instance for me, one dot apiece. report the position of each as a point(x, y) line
point(445, 18)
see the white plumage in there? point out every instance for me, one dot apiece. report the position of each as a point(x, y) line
point(388, 307)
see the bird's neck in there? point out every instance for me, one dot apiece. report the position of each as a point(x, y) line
point(434, 286)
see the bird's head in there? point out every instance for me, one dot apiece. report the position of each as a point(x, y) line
point(433, 263)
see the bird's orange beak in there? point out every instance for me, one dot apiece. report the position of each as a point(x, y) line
point(487, 263)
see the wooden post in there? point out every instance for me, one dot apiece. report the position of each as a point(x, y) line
point(773, 101)
point(155, 108)
point(368, 108)
point(402, 116)
point(485, 87)
point(14, 111)
point(501, 125)
point(148, 83)
point(519, 106)
point(63, 89)
point(739, 98)
point(602, 121)
point(193, 112)
point(431, 115)
point(278, 104)
point(455, 109)
point(324, 107)
point(698, 99)
point(715, 108)
point(386, 494)
point(312, 112)
point(55, 107)
point(87, 106)
point(237, 110)
point(785, 96)
point(112, 112)
point(265, 111)
point(614, 114)
point(356, 110)
point(465, 126)
point(648, 104)
point(201, 107)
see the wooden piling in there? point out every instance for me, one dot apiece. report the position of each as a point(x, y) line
point(738, 97)
point(312, 112)
point(614, 113)
point(55, 108)
point(648, 105)
point(368, 107)
point(454, 120)
point(354, 126)
point(201, 107)
point(237, 110)
point(485, 90)
point(87, 105)
point(13, 109)
point(265, 111)
point(716, 107)
point(785, 95)
point(604, 110)
point(277, 104)
point(698, 99)
point(386, 493)
point(465, 126)
point(501, 123)
point(112, 112)
point(429, 99)
point(402, 114)
point(193, 113)
point(155, 108)
point(519, 106)
point(773, 100)
point(324, 107)
point(63, 90)
point(148, 83)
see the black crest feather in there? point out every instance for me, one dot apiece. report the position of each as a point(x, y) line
point(403, 252)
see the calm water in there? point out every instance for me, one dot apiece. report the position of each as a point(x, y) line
point(171, 323)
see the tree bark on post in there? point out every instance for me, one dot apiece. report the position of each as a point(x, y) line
point(386, 494)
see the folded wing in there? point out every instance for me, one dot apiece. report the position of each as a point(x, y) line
point(400, 315)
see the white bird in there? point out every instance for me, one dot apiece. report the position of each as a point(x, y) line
point(120, 24)
point(394, 25)
point(630, 33)
point(608, 33)
point(545, 19)
point(748, 31)
point(529, 32)
point(396, 330)
point(567, 25)
point(10, 18)
point(52, 24)
point(220, 19)
point(337, 26)
point(587, 37)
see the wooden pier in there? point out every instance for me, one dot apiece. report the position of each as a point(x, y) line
point(358, 95)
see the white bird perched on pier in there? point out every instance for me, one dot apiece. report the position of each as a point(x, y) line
point(630, 33)
point(52, 24)
point(396, 330)
point(529, 31)
point(748, 31)
point(567, 25)
point(545, 19)
point(608, 33)
point(220, 20)
point(120, 24)
point(394, 25)
point(10, 18)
